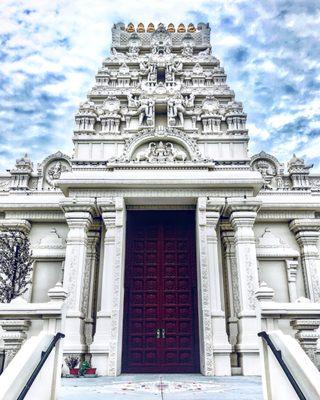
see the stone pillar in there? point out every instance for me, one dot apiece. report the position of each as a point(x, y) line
point(106, 348)
point(308, 335)
point(13, 337)
point(214, 346)
point(243, 213)
point(90, 284)
point(232, 289)
point(307, 236)
point(78, 213)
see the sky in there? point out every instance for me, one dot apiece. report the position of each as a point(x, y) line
point(51, 49)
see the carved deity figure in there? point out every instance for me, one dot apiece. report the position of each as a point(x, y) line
point(175, 112)
point(149, 69)
point(187, 51)
point(171, 70)
point(160, 152)
point(189, 101)
point(267, 172)
point(146, 112)
point(133, 102)
point(55, 171)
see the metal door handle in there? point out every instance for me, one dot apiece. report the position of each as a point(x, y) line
point(158, 333)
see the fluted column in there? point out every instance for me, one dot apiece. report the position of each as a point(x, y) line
point(78, 213)
point(307, 235)
point(243, 213)
point(107, 344)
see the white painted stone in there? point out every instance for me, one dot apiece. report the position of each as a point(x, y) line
point(161, 129)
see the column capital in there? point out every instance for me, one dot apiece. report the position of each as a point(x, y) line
point(80, 204)
point(243, 219)
point(240, 204)
point(111, 210)
point(79, 212)
point(310, 225)
point(21, 225)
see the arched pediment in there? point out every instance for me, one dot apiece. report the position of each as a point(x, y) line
point(270, 160)
point(162, 144)
point(51, 168)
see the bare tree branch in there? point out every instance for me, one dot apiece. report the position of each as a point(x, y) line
point(15, 264)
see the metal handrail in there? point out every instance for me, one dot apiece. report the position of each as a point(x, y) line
point(44, 356)
point(278, 356)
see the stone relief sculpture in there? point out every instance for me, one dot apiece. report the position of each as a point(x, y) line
point(161, 41)
point(161, 152)
point(109, 115)
point(270, 169)
point(149, 69)
point(175, 112)
point(51, 168)
point(54, 172)
point(146, 112)
point(211, 116)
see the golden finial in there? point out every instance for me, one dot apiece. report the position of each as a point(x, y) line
point(171, 28)
point(130, 27)
point(150, 27)
point(140, 28)
point(191, 28)
point(181, 28)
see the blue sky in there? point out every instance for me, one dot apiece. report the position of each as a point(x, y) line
point(51, 49)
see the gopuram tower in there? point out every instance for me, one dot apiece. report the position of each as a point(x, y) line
point(161, 132)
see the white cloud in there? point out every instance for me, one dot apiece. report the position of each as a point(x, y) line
point(69, 39)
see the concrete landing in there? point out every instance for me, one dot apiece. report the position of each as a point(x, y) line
point(162, 387)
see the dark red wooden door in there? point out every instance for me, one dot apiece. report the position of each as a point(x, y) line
point(160, 313)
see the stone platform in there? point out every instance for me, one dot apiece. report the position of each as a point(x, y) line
point(164, 387)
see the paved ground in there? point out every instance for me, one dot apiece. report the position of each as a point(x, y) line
point(162, 387)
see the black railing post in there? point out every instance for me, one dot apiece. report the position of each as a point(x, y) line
point(43, 358)
point(278, 356)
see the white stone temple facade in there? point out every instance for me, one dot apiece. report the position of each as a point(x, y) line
point(160, 225)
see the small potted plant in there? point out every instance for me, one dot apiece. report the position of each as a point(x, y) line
point(87, 371)
point(72, 361)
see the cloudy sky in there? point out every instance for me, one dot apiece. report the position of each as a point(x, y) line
point(50, 51)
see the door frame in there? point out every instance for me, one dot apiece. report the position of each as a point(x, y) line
point(204, 309)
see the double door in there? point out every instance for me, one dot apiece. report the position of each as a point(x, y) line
point(160, 313)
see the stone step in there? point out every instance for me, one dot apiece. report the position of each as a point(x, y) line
point(165, 387)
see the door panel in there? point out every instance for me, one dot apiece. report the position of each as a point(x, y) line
point(160, 319)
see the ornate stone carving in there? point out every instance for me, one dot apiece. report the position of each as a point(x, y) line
point(161, 41)
point(270, 169)
point(21, 173)
point(272, 246)
point(51, 168)
point(299, 173)
point(175, 112)
point(160, 134)
point(55, 170)
point(160, 152)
